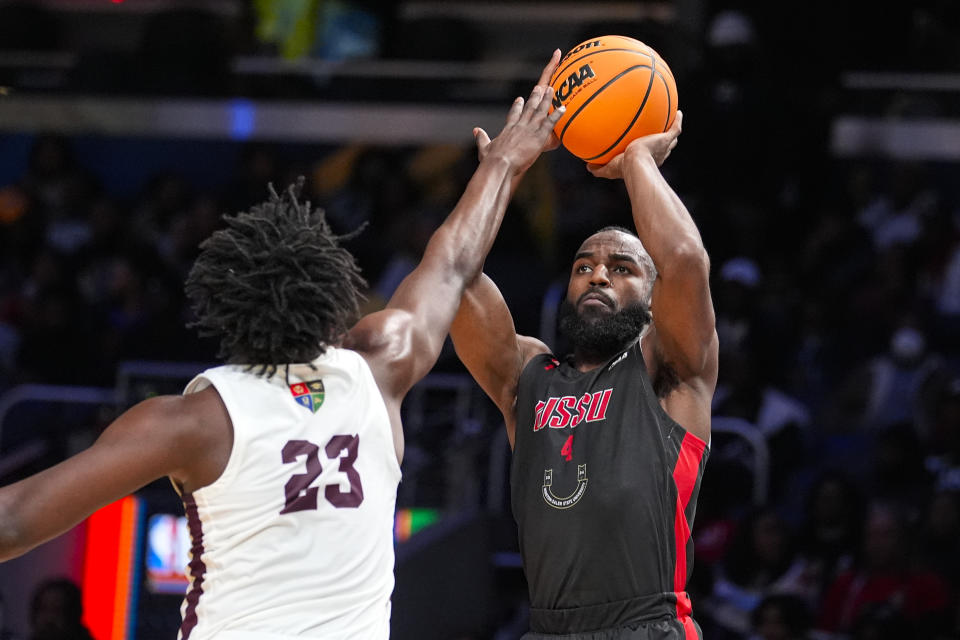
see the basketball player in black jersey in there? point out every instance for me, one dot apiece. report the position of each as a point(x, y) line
point(609, 443)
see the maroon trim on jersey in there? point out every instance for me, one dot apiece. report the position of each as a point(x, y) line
point(685, 478)
point(196, 567)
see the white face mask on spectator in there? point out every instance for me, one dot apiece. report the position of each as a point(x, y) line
point(907, 344)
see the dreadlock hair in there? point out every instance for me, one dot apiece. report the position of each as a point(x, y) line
point(274, 284)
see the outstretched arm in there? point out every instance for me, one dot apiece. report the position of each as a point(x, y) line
point(403, 341)
point(684, 338)
point(173, 435)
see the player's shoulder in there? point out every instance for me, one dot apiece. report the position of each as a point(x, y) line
point(171, 423)
point(185, 413)
point(173, 407)
point(196, 428)
point(532, 349)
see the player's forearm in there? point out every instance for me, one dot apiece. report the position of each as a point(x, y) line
point(663, 223)
point(464, 239)
point(14, 540)
point(10, 542)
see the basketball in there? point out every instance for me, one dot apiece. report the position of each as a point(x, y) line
point(616, 89)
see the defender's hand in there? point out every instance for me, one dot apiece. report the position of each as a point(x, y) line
point(658, 146)
point(529, 128)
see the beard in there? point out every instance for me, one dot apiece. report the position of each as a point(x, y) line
point(599, 334)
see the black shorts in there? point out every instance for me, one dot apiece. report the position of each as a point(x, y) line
point(661, 629)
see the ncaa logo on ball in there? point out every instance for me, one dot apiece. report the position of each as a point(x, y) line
point(571, 87)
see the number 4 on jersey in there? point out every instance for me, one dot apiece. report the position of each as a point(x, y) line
point(567, 450)
point(300, 496)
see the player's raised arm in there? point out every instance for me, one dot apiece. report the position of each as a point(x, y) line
point(487, 343)
point(685, 337)
point(402, 342)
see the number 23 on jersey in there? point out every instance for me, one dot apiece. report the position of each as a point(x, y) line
point(300, 496)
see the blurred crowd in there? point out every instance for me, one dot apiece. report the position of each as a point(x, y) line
point(836, 284)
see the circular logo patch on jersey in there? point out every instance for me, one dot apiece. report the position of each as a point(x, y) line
point(564, 503)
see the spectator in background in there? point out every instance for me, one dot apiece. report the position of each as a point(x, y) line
point(50, 169)
point(939, 541)
point(52, 324)
point(898, 476)
point(781, 617)
point(163, 198)
point(831, 530)
point(56, 612)
point(896, 218)
point(188, 227)
point(737, 303)
point(761, 561)
point(884, 576)
point(882, 622)
point(890, 387)
point(947, 292)
point(743, 392)
point(943, 460)
point(379, 192)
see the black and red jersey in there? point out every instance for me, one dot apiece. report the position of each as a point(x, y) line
point(604, 487)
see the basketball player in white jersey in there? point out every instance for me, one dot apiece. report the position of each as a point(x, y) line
point(287, 457)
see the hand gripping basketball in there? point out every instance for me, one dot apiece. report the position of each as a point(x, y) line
point(529, 127)
point(658, 146)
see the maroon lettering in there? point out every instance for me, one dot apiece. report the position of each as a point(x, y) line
point(337, 446)
point(299, 495)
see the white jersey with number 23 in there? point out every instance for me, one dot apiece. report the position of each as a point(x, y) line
point(295, 539)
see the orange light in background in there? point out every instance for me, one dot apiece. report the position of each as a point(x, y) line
point(110, 569)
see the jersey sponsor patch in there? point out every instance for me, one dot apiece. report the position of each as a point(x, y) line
point(308, 394)
point(569, 411)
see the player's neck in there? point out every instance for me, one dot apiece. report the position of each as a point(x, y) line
point(584, 360)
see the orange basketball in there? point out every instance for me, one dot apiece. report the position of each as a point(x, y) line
point(615, 89)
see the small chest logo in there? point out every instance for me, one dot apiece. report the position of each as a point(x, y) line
point(308, 394)
point(564, 503)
